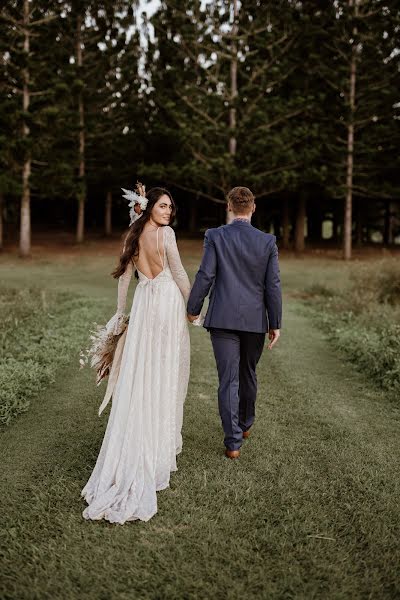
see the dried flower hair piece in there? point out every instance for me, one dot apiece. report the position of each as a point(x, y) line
point(136, 197)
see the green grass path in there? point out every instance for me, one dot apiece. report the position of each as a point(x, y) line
point(309, 511)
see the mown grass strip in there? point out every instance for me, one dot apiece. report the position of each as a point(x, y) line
point(308, 511)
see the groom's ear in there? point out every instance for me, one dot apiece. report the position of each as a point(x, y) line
point(254, 208)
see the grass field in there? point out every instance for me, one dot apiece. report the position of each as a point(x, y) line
point(309, 511)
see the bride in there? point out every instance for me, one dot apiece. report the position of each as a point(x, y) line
point(143, 434)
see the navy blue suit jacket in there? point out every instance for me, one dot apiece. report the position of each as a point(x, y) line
point(240, 269)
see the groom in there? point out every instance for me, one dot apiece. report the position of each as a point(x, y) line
point(240, 267)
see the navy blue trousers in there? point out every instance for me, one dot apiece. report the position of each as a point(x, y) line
point(237, 354)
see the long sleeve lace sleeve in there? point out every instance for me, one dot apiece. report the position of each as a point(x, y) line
point(116, 322)
point(175, 264)
point(123, 285)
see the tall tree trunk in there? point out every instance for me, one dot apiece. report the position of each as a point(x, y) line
point(285, 224)
point(107, 214)
point(80, 227)
point(336, 217)
point(234, 90)
point(314, 221)
point(348, 220)
point(193, 226)
point(258, 219)
point(300, 224)
point(389, 222)
point(1, 220)
point(359, 223)
point(277, 226)
point(25, 220)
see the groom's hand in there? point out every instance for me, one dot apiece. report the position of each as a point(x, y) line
point(273, 335)
point(192, 318)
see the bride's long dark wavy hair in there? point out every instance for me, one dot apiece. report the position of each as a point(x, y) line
point(131, 244)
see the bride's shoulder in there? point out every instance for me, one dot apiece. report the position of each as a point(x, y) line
point(168, 231)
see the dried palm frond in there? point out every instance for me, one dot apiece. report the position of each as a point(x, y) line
point(102, 349)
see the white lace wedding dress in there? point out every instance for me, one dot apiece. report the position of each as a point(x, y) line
point(143, 434)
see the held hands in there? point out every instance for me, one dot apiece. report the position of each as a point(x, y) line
point(196, 321)
point(273, 336)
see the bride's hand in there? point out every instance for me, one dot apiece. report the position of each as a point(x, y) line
point(116, 324)
point(197, 321)
point(192, 318)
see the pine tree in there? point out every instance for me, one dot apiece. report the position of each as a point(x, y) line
point(115, 118)
point(359, 70)
point(222, 90)
point(26, 26)
point(104, 45)
point(23, 24)
point(10, 186)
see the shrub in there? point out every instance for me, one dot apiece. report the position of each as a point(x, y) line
point(363, 321)
point(375, 351)
point(39, 331)
point(389, 290)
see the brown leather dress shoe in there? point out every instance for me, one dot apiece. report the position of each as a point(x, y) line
point(246, 433)
point(232, 453)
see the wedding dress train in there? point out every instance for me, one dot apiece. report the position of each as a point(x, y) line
point(143, 434)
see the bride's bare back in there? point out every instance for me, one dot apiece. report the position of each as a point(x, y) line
point(150, 261)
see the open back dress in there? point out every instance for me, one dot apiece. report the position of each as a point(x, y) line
point(143, 434)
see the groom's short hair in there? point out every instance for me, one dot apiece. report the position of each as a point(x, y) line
point(241, 200)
